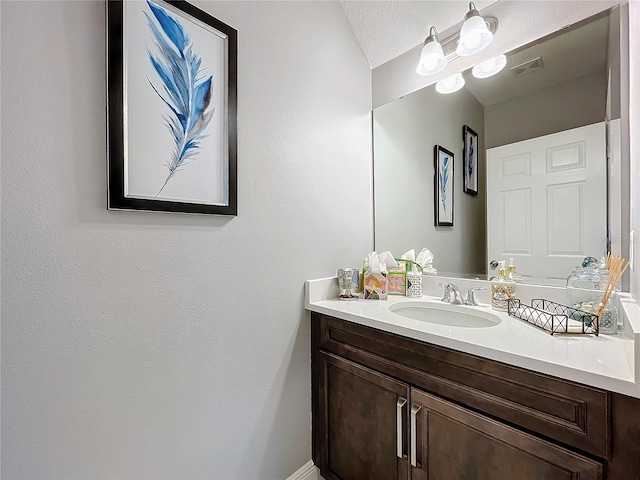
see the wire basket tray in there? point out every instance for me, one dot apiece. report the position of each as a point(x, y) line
point(554, 317)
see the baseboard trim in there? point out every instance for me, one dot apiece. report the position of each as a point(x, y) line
point(307, 472)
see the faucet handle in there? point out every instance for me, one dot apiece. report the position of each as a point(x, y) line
point(446, 297)
point(471, 299)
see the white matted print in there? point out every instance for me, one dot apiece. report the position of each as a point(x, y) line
point(178, 88)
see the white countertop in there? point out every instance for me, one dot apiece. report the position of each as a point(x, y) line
point(604, 361)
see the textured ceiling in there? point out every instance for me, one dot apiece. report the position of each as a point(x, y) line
point(388, 28)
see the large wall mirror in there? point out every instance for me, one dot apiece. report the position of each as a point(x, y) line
point(548, 196)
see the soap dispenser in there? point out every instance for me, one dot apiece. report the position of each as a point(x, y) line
point(512, 274)
point(502, 290)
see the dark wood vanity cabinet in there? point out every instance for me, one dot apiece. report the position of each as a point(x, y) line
point(389, 407)
point(359, 424)
point(456, 443)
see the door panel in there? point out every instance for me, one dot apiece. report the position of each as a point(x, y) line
point(360, 409)
point(457, 443)
point(516, 224)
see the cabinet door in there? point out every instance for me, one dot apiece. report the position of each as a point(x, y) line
point(452, 442)
point(362, 418)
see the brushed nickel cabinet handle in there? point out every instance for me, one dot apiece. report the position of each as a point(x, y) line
point(414, 426)
point(399, 406)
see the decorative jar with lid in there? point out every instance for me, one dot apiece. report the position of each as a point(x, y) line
point(585, 289)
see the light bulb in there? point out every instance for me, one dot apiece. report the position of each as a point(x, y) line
point(430, 63)
point(489, 67)
point(450, 84)
point(472, 40)
point(474, 34)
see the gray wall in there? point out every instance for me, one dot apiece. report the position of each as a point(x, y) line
point(140, 345)
point(575, 103)
point(634, 121)
point(613, 66)
point(405, 132)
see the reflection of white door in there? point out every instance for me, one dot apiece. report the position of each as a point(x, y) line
point(546, 202)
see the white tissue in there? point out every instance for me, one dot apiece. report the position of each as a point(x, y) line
point(425, 257)
point(409, 255)
point(389, 261)
point(374, 264)
point(424, 260)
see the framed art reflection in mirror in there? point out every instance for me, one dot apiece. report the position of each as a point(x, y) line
point(470, 160)
point(443, 186)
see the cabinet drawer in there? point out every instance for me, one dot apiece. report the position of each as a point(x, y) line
point(573, 414)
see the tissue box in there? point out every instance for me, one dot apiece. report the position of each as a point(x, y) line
point(397, 279)
point(375, 286)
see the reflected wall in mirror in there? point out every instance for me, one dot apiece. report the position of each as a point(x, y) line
point(548, 206)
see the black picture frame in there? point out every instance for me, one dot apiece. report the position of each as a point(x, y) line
point(443, 186)
point(219, 95)
point(470, 160)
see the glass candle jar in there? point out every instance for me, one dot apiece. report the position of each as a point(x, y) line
point(585, 289)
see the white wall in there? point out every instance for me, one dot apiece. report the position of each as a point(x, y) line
point(405, 132)
point(140, 345)
point(571, 104)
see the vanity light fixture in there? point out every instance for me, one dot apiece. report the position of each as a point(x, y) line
point(431, 57)
point(489, 67)
point(450, 84)
point(474, 34)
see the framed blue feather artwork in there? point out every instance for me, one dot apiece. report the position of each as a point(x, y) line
point(443, 187)
point(172, 97)
point(470, 156)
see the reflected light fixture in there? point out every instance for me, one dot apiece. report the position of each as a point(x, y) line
point(474, 34)
point(450, 84)
point(431, 57)
point(489, 67)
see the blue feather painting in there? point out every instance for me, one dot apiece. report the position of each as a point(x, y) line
point(176, 93)
point(443, 186)
point(172, 103)
point(444, 182)
point(182, 87)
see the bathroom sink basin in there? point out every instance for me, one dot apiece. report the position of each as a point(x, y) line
point(446, 314)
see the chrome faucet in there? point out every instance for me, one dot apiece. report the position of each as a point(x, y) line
point(471, 299)
point(452, 294)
